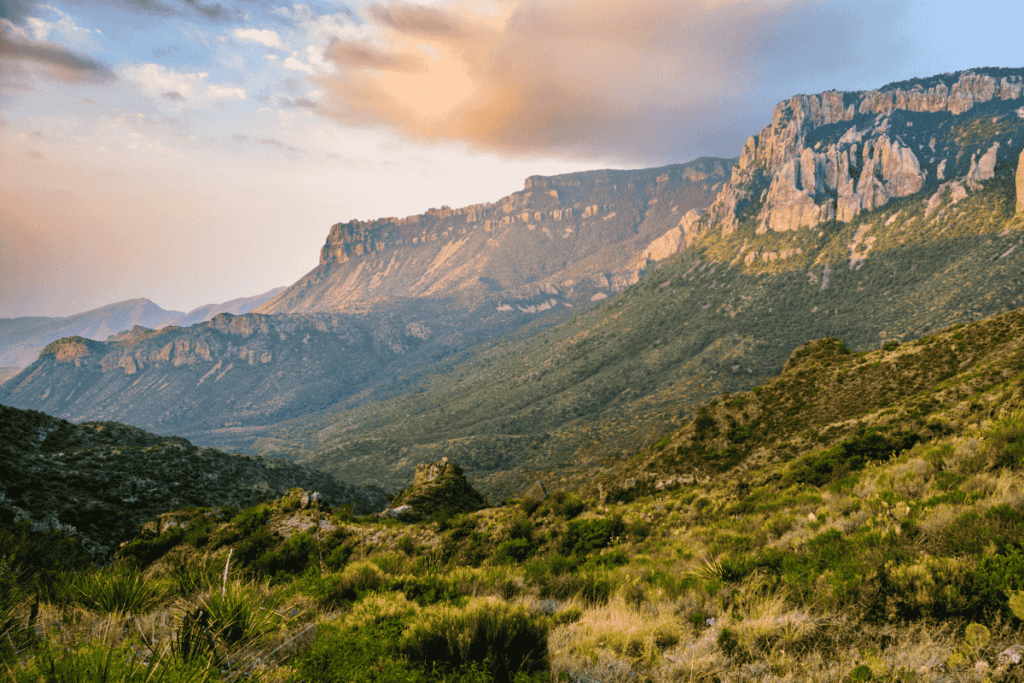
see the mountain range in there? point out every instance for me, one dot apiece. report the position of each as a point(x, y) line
point(22, 339)
point(590, 314)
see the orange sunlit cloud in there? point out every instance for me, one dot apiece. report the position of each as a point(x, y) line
point(524, 76)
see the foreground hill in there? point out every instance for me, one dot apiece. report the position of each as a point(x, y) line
point(101, 480)
point(856, 518)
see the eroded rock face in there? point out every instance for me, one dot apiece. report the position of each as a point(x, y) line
point(802, 170)
point(565, 236)
point(1020, 182)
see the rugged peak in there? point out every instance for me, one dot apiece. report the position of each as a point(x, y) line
point(835, 155)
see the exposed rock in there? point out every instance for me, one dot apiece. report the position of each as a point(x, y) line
point(537, 492)
point(789, 181)
point(568, 232)
point(1011, 655)
point(438, 488)
point(1020, 183)
point(398, 512)
point(984, 168)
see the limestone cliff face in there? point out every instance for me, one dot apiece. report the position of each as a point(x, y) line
point(563, 236)
point(1020, 183)
point(836, 155)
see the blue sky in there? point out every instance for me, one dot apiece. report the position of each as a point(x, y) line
point(193, 151)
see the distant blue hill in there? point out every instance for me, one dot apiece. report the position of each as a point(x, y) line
point(22, 339)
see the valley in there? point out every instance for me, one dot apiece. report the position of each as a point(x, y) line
point(730, 420)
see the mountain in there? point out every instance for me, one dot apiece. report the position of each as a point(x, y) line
point(235, 307)
point(568, 237)
point(22, 339)
point(895, 263)
point(100, 481)
point(277, 374)
point(856, 518)
point(871, 217)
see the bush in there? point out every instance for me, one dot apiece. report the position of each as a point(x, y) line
point(583, 536)
point(240, 613)
point(116, 591)
point(358, 579)
point(505, 638)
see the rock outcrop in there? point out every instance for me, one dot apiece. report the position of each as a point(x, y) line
point(561, 238)
point(836, 155)
point(438, 488)
point(1020, 182)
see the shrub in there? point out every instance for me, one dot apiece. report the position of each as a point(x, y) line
point(1004, 441)
point(358, 579)
point(505, 638)
point(116, 591)
point(583, 536)
point(240, 613)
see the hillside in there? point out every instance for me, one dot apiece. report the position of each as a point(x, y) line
point(856, 518)
point(100, 481)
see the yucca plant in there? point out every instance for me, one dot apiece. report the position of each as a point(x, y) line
point(96, 663)
point(117, 590)
point(240, 612)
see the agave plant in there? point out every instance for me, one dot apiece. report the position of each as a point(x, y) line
point(117, 590)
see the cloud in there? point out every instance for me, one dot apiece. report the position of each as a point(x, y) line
point(262, 36)
point(163, 82)
point(15, 11)
point(643, 79)
point(293, 64)
point(53, 60)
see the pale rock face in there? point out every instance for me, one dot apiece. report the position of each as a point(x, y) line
point(1020, 183)
point(864, 169)
point(984, 168)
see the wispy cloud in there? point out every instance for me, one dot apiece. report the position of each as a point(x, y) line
point(166, 83)
point(263, 36)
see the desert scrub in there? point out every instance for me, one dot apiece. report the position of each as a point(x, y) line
point(506, 639)
point(617, 631)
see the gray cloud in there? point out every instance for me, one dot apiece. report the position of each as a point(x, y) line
point(59, 62)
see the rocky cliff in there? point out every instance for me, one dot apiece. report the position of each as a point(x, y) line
point(836, 155)
point(562, 237)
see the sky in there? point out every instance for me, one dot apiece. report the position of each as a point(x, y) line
point(195, 151)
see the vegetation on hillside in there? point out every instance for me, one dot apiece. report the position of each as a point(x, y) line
point(856, 518)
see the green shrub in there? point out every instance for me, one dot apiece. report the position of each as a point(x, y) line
point(973, 532)
point(426, 589)
point(358, 579)
point(514, 550)
point(583, 536)
point(240, 613)
point(118, 590)
point(1004, 441)
point(505, 638)
point(254, 519)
